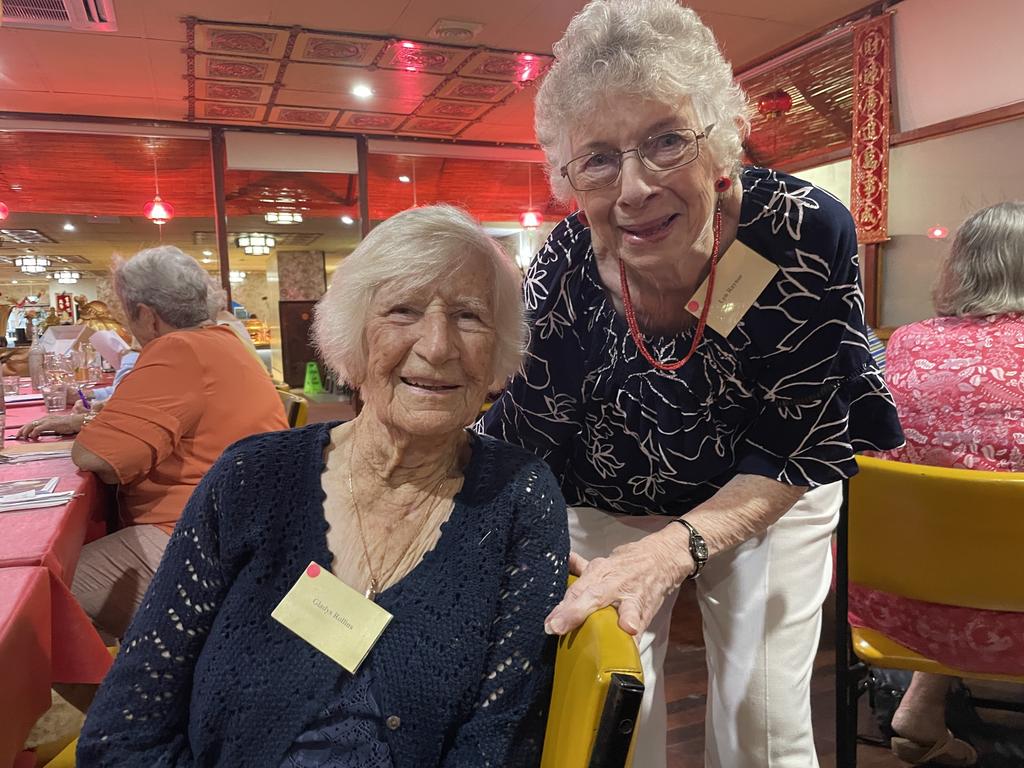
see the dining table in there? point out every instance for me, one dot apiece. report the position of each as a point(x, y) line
point(45, 636)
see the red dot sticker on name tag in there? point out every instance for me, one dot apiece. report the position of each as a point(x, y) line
point(313, 570)
point(693, 306)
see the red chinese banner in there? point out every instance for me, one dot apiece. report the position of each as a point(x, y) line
point(869, 177)
point(65, 304)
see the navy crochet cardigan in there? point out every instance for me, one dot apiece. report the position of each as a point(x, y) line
point(206, 678)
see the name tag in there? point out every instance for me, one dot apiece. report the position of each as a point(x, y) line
point(332, 617)
point(740, 277)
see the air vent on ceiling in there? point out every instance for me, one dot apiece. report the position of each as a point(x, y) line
point(452, 31)
point(90, 15)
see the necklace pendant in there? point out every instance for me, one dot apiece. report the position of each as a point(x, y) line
point(371, 593)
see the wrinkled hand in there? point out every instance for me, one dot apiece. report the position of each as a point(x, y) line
point(635, 578)
point(63, 424)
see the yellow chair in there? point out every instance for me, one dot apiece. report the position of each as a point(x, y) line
point(596, 696)
point(947, 536)
point(296, 408)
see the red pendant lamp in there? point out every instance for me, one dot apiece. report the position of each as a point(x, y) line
point(530, 219)
point(157, 210)
point(4, 211)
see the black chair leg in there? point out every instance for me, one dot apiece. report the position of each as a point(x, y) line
point(848, 676)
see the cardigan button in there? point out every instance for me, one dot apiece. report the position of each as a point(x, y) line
point(393, 722)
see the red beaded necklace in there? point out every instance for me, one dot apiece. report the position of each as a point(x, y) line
point(634, 328)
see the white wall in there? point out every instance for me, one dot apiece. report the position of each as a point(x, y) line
point(956, 57)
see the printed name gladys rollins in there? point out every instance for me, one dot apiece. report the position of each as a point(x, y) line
point(333, 614)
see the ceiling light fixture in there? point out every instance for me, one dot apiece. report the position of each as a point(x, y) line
point(938, 233)
point(256, 244)
point(156, 210)
point(404, 179)
point(69, 227)
point(530, 219)
point(207, 253)
point(66, 276)
point(362, 91)
point(282, 217)
point(236, 277)
point(347, 220)
point(4, 211)
point(32, 264)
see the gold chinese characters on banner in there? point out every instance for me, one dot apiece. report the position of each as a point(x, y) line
point(869, 178)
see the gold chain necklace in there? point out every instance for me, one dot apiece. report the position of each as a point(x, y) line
point(374, 589)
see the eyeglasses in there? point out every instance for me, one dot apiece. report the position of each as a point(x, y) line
point(663, 152)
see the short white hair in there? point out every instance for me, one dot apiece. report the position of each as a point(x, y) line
point(984, 272)
point(650, 48)
point(412, 250)
point(167, 280)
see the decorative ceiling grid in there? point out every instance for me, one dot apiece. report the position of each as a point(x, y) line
point(295, 77)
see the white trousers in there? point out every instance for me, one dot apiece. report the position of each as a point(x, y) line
point(761, 609)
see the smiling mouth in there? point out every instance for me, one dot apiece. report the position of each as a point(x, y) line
point(428, 386)
point(652, 229)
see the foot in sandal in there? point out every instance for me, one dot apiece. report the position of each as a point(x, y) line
point(948, 750)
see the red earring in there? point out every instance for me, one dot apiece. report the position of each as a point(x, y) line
point(723, 184)
point(581, 217)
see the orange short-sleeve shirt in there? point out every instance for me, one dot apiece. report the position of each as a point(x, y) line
point(190, 395)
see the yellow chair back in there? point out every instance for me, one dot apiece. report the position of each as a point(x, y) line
point(296, 408)
point(596, 696)
point(949, 536)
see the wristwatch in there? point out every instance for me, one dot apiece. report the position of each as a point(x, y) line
point(698, 547)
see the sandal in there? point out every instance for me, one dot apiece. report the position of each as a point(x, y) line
point(949, 751)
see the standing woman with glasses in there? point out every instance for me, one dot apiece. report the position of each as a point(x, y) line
point(692, 437)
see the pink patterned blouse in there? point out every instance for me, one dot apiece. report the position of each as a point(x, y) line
point(957, 383)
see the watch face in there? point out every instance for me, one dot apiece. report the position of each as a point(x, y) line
point(700, 550)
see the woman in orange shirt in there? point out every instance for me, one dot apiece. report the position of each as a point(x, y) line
point(194, 391)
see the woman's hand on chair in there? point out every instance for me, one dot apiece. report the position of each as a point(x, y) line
point(635, 578)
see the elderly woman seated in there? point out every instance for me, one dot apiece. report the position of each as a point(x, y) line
point(194, 390)
point(245, 650)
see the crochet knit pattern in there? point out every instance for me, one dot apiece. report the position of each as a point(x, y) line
point(206, 678)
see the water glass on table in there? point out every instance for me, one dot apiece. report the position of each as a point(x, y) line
point(55, 396)
point(12, 385)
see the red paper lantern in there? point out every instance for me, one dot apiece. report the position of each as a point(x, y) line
point(774, 104)
point(530, 219)
point(157, 211)
point(4, 210)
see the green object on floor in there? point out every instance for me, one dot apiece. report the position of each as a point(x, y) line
point(313, 385)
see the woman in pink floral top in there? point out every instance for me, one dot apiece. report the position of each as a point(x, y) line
point(957, 383)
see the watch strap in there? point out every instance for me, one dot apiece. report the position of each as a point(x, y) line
point(698, 547)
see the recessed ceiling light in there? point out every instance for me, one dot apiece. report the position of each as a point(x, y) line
point(16, 187)
point(207, 253)
point(362, 91)
point(14, 282)
point(69, 227)
point(206, 261)
point(404, 179)
point(346, 219)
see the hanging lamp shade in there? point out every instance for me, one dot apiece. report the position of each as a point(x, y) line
point(4, 211)
point(158, 211)
point(530, 219)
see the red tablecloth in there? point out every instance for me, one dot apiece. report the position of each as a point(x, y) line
point(25, 652)
point(52, 538)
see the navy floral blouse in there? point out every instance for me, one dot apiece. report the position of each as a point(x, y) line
point(791, 393)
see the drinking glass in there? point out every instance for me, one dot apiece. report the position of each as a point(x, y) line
point(12, 385)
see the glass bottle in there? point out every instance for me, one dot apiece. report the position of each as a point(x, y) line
point(35, 363)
